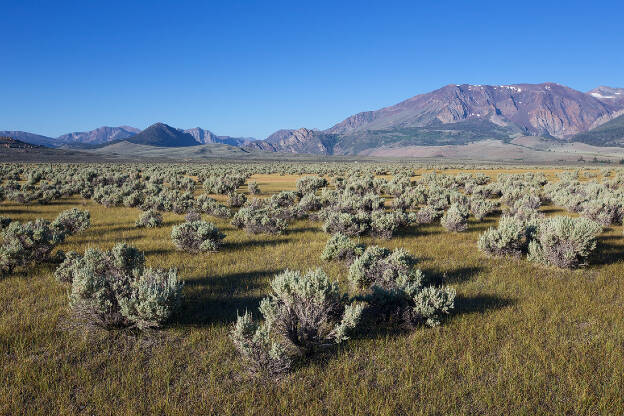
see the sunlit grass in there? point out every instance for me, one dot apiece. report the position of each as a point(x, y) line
point(524, 339)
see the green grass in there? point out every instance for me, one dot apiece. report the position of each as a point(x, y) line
point(523, 340)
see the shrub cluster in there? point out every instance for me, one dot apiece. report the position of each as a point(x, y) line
point(113, 289)
point(510, 238)
point(310, 184)
point(564, 242)
point(210, 206)
point(304, 313)
point(72, 221)
point(259, 221)
point(197, 236)
point(149, 219)
point(560, 241)
point(236, 199)
point(27, 243)
point(340, 247)
point(455, 218)
point(396, 290)
point(33, 241)
point(253, 188)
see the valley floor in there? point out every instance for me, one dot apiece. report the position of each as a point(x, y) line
point(523, 339)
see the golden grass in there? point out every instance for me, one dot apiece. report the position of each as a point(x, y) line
point(524, 339)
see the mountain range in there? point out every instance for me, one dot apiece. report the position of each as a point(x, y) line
point(452, 115)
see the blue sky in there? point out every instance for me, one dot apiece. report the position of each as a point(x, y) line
point(249, 68)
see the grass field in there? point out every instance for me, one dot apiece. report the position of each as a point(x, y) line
point(523, 339)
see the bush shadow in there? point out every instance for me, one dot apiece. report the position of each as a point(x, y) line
point(607, 253)
point(467, 305)
point(234, 245)
point(158, 252)
point(218, 299)
point(460, 275)
point(108, 230)
point(7, 211)
point(422, 230)
point(302, 230)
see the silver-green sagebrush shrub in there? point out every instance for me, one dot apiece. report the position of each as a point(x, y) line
point(197, 236)
point(236, 199)
point(427, 215)
point(396, 290)
point(261, 354)
point(149, 219)
point(481, 207)
point(27, 243)
point(223, 184)
point(564, 242)
point(72, 221)
point(210, 206)
point(112, 289)
point(153, 298)
point(605, 211)
point(259, 220)
point(309, 203)
point(304, 313)
point(347, 223)
point(510, 238)
point(308, 310)
point(310, 184)
point(378, 266)
point(340, 247)
point(65, 271)
point(253, 188)
point(192, 216)
point(455, 219)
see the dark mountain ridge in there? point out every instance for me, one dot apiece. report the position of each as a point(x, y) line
point(162, 135)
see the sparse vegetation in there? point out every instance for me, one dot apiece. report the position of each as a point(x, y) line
point(150, 219)
point(197, 236)
point(113, 289)
point(393, 268)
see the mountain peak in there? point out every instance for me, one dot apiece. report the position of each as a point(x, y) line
point(163, 135)
point(98, 136)
point(607, 93)
point(548, 108)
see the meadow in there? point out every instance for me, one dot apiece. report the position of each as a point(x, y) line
point(522, 338)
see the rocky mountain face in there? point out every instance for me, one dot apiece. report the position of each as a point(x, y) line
point(610, 133)
point(298, 141)
point(608, 95)
point(98, 136)
point(203, 136)
point(535, 109)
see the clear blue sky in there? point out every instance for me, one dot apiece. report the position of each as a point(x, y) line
point(249, 68)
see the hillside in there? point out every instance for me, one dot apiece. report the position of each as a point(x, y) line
point(30, 138)
point(10, 143)
point(608, 134)
point(126, 149)
point(97, 136)
point(162, 135)
point(203, 136)
point(536, 109)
